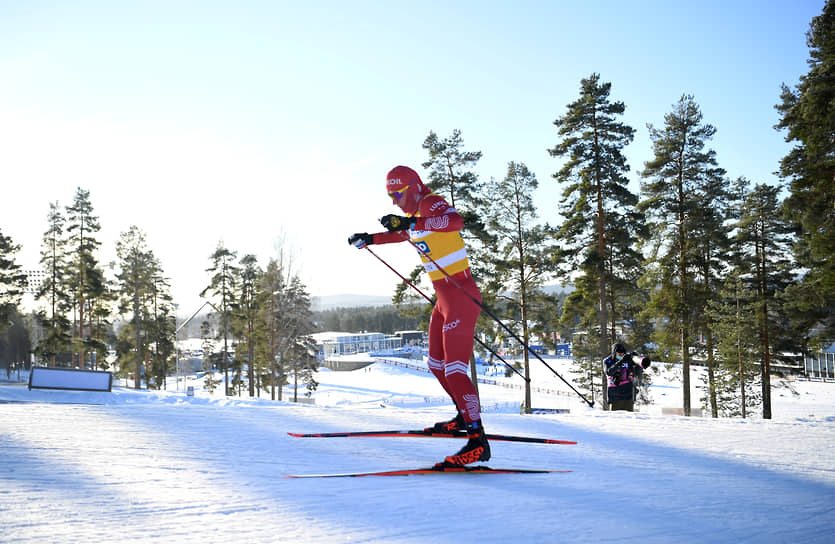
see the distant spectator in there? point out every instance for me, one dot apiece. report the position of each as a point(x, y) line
point(622, 370)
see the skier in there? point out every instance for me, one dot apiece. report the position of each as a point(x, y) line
point(434, 226)
point(621, 371)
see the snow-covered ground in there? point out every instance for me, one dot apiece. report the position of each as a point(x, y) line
point(164, 467)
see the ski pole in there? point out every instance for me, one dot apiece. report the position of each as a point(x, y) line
point(499, 321)
point(421, 293)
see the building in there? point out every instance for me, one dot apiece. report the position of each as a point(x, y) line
point(330, 344)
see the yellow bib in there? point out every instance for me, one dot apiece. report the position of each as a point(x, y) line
point(446, 248)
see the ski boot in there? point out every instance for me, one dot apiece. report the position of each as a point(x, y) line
point(452, 426)
point(476, 449)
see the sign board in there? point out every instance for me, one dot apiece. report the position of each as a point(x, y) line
point(67, 378)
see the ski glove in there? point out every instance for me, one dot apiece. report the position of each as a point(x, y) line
point(397, 222)
point(361, 239)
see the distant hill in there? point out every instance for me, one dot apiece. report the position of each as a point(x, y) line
point(329, 302)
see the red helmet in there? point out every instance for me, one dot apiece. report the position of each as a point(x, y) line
point(405, 187)
point(402, 178)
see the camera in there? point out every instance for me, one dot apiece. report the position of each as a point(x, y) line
point(637, 359)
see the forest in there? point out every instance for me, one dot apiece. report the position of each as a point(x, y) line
point(694, 268)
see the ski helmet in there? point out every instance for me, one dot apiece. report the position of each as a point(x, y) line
point(403, 181)
point(402, 178)
point(618, 348)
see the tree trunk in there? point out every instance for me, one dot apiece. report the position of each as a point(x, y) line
point(682, 278)
point(601, 288)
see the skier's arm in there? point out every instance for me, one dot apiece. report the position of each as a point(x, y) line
point(437, 215)
point(391, 237)
point(362, 239)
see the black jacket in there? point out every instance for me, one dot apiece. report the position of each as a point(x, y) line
point(621, 376)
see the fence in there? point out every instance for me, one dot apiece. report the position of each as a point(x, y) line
point(820, 366)
point(504, 384)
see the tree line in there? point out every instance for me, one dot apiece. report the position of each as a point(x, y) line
point(734, 273)
point(384, 319)
point(259, 328)
point(694, 267)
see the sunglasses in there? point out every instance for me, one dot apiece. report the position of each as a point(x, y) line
point(398, 194)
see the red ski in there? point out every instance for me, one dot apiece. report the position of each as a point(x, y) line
point(416, 433)
point(437, 469)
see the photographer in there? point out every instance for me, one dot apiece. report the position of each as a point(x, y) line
point(622, 370)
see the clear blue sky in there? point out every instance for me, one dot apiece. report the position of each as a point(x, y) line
point(253, 122)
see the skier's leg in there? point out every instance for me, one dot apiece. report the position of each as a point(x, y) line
point(436, 349)
point(436, 365)
point(460, 317)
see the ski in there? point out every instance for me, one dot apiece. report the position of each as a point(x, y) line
point(417, 433)
point(437, 469)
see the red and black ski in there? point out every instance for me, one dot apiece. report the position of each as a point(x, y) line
point(437, 469)
point(416, 433)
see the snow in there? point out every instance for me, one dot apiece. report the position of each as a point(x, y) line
point(165, 467)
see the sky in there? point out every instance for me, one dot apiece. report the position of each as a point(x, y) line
point(269, 126)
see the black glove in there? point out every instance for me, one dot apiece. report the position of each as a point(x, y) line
point(361, 239)
point(397, 222)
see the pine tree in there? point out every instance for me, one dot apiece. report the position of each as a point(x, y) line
point(136, 286)
point(277, 320)
point(601, 226)
point(734, 317)
point(521, 257)
point(709, 230)
point(55, 289)
point(85, 278)
point(301, 349)
point(767, 238)
point(450, 170)
point(246, 325)
point(162, 328)
point(674, 185)
point(12, 281)
point(209, 357)
point(808, 117)
point(222, 288)
point(100, 295)
point(581, 315)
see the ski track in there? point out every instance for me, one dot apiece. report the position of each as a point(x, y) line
point(160, 467)
point(163, 473)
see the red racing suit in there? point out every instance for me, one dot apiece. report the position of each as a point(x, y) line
point(451, 328)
